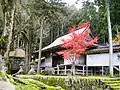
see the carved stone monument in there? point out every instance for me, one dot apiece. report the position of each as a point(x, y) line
point(2, 65)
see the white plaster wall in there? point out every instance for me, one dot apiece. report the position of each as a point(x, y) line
point(101, 59)
point(79, 60)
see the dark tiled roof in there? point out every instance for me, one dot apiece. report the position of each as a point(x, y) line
point(103, 50)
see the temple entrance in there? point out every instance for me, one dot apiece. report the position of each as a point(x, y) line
point(57, 60)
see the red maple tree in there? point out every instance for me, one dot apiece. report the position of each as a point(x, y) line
point(78, 43)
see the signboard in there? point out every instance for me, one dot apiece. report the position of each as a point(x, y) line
point(101, 59)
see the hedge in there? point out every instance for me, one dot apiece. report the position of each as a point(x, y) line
point(68, 82)
point(39, 82)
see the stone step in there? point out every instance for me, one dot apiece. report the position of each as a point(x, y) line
point(113, 83)
point(116, 87)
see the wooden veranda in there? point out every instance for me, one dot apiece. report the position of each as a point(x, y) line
point(65, 69)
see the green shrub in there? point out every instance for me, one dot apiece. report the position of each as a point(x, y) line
point(54, 82)
point(40, 84)
point(48, 71)
point(31, 87)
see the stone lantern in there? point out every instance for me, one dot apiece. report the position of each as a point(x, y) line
point(32, 65)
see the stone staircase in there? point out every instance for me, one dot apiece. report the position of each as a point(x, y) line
point(113, 83)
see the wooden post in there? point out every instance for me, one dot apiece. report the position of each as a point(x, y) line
point(83, 70)
point(92, 72)
point(119, 63)
point(58, 69)
point(102, 70)
point(73, 68)
point(86, 70)
point(65, 70)
point(119, 68)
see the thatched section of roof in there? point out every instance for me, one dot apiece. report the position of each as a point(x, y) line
point(20, 53)
point(59, 41)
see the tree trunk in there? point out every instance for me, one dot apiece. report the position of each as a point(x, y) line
point(73, 65)
point(9, 28)
point(28, 52)
point(27, 58)
point(62, 29)
point(110, 39)
point(18, 41)
point(117, 30)
point(5, 21)
point(40, 45)
point(51, 36)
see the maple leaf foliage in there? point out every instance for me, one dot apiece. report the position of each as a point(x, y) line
point(77, 44)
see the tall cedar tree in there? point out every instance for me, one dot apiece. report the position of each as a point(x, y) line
point(78, 43)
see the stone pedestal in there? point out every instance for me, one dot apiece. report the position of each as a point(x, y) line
point(3, 69)
point(32, 71)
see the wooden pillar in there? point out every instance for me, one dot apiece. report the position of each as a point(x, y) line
point(86, 70)
point(119, 64)
point(83, 70)
point(92, 73)
point(102, 70)
point(94, 70)
point(119, 69)
point(58, 69)
point(65, 70)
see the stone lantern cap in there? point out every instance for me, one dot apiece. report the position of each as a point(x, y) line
point(20, 53)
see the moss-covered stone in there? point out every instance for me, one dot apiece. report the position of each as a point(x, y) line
point(39, 82)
